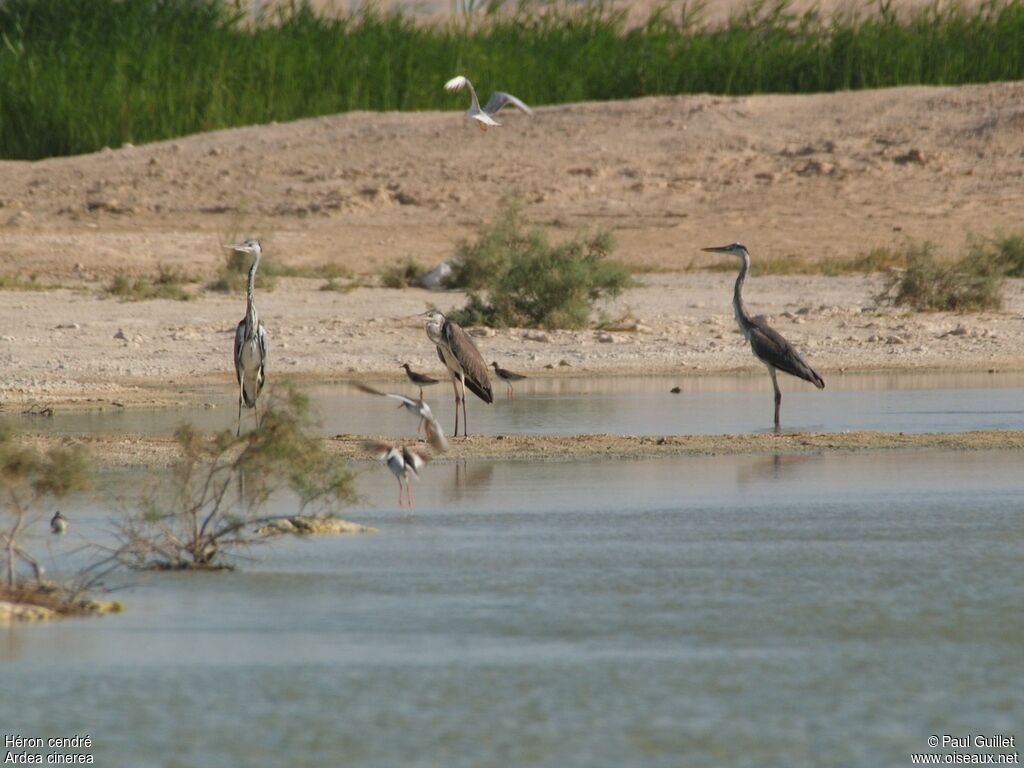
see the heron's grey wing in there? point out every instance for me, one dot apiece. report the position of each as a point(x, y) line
point(473, 365)
point(501, 99)
point(239, 338)
point(263, 350)
point(770, 346)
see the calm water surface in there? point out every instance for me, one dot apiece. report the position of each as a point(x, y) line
point(740, 611)
point(929, 402)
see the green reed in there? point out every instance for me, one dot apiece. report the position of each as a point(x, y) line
point(78, 75)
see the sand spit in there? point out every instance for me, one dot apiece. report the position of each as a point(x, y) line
point(127, 452)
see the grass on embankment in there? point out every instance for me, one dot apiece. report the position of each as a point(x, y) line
point(77, 76)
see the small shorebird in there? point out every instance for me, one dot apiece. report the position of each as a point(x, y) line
point(402, 461)
point(250, 341)
point(508, 377)
point(767, 344)
point(485, 116)
point(58, 523)
point(434, 433)
point(421, 380)
point(463, 361)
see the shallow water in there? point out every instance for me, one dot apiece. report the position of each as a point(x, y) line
point(742, 611)
point(930, 402)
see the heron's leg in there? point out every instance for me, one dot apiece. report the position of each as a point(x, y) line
point(778, 395)
point(401, 490)
point(465, 418)
point(239, 432)
point(408, 492)
point(455, 386)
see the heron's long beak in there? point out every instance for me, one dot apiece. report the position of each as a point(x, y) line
point(719, 249)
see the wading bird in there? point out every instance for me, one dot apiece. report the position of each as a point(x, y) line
point(463, 361)
point(421, 380)
point(767, 344)
point(402, 461)
point(58, 523)
point(508, 377)
point(485, 116)
point(250, 341)
point(434, 433)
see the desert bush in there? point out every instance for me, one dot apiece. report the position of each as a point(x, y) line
point(402, 274)
point(973, 282)
point(220, 486)
point(516, 277)
point(1007, 251)
point(168, 284)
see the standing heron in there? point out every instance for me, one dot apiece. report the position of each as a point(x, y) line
point(421, 380)
point(508, 377)
point(403, 462)
point(58, 523)
point(463, 361)
point(250, 341)
point(485, 116)
point(767, 344)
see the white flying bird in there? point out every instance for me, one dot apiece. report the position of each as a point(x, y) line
point(402, 461)
point(435, 435)
point(485, 116)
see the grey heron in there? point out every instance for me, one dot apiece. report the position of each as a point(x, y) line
point(767, 344)
point(421, 380)
point(508, 377)
point(58, 523)
point(250, 341)
point(402, 461)
point(462, 359)
point(434, 433)
point(485, 115)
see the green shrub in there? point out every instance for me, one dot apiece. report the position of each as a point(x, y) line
point(402, 274)
point(971, 283)
point(1006, 251)
point(168, 284)
point(516, 277)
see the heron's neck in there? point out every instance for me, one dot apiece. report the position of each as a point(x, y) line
point(250, 298)
point(738, 307)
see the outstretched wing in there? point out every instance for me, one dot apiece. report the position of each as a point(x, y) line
point(468, 356)
point(435, 436)
point(501, 99)
point(376, 448)
point(415, 460)
point(770, 346)
point(406, 401)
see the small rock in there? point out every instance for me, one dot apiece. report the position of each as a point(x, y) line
point(540, 336)
point(895, 340)
point(120, 335)
point(605, 338)
point(563, 363)
point(481, 332)
point(675, 390)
